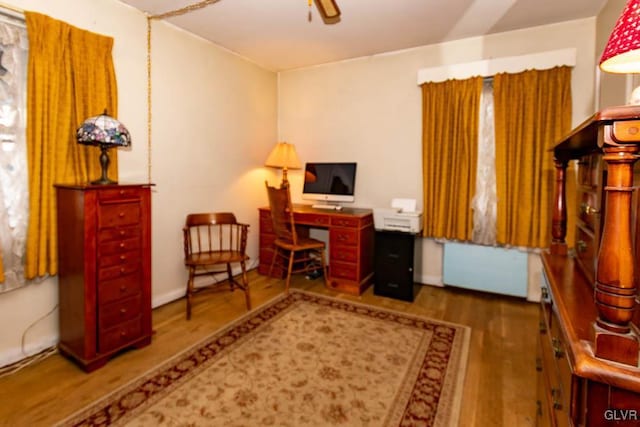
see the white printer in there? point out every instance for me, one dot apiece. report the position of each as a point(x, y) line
point(401, 216)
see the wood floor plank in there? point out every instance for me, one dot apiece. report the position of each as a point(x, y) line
point(500, 376)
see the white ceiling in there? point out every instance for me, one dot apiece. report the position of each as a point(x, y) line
point(277, 34)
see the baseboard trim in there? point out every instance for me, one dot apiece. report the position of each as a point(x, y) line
point(179, 293)
point(167, 298)
point(16, 354)
point(432, 280)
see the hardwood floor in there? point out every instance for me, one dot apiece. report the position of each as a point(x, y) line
point(500, 384)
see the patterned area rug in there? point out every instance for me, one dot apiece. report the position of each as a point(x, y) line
point(302, 360)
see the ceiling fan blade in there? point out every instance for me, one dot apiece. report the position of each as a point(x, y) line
point(328, 9)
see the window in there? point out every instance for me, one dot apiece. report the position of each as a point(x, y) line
point(484, 202)
point(503, 147)
point(14, 196)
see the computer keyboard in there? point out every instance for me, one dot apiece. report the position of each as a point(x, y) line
point(329, 207)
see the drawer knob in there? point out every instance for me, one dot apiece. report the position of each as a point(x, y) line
point(122, 232)
point(555, 397)
point(545, 293)
point(121, 214)
point(123, 311)
point(123, 334)
point(123, 257)
point(122, 245)
point(557, 348)
point(542, 327)
point(587, 209)
point(123, 288)
point(581, 246)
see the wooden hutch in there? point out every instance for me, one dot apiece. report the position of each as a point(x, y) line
point(589, 340)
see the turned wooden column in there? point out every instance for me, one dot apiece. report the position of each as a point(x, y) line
point(559, 213)
point(615, 287)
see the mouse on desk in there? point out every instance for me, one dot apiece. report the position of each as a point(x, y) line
point(338, 208)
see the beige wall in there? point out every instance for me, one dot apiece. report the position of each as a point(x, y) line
point(368, 110)
point(612, 88)
point(214, 122)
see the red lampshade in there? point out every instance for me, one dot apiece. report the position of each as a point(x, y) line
point(622, 53)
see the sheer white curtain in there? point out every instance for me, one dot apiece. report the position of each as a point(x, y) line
point(14, 196)
point(484, 203)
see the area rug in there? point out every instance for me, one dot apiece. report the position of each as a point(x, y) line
point(302, 360)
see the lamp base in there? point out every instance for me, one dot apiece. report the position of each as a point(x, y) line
point(103, 181)
point(104, 165)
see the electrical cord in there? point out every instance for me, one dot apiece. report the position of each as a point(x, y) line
point(49, 351)
point(29, 359)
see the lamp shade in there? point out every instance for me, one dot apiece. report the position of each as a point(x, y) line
point(283, 156)
point(103, 130)
point(622, 53)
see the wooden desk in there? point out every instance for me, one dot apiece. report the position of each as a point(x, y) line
point(351, 243)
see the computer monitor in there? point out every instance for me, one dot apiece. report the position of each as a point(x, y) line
point(329, 182)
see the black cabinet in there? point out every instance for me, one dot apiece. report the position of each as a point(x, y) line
point(394, 265)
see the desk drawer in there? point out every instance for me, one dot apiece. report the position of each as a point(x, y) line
point(266, 240)
point(343, 221)
point(586, 251)
point(266, 225)
point(120, 335)
point(120, 258)
point(590, 170)
point(120, 194)
point(119, 311)
point(344, 270)
point(561, 364)
point(343, 236)
point(110, 273)
point(118, 214)
point(312, 219)
point(343, 253)
point(589, 209)
point(119, 233)
point(122, 287)
point(118, 246)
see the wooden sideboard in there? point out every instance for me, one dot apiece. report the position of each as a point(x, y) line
point(351, 240)
point(589, 338)
point(104, 253)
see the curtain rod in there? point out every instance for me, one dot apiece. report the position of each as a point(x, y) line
point(11, 8)
point(12, 15)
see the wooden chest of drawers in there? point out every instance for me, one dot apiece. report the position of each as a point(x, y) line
point(589, 339)
point(104, 251)
point(574, 387)
point(351, 242)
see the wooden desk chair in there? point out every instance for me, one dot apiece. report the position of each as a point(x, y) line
point(212, 242)
point(297, 253)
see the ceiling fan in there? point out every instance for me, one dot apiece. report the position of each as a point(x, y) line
point(328, 9)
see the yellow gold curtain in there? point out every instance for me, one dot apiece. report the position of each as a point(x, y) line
point(450, 114)
point(70, 77)
point(95, 91)
point(532, 111)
